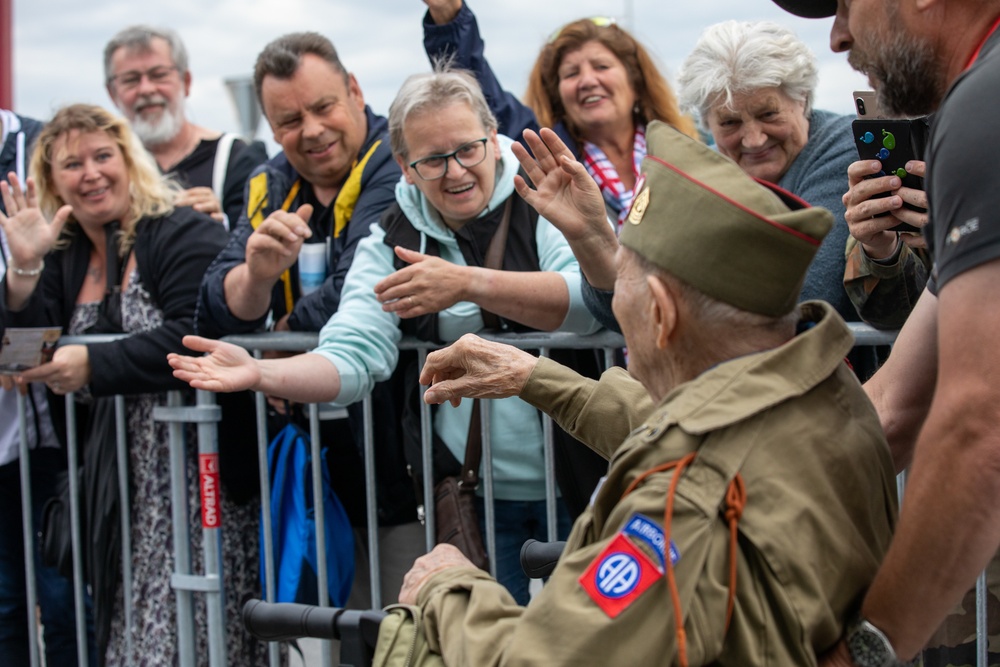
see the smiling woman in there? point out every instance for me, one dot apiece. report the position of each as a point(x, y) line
point(752, 86)
point(97, 246)
point(593, 83)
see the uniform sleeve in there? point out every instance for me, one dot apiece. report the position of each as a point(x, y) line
point(378, 192)
point(461, 39)
point(599, 413)
point(472, 621)
point(360, 339)
point(884, 294)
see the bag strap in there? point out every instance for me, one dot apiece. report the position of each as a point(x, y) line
point(221, 164)
point(494, 257)
point(473, 451)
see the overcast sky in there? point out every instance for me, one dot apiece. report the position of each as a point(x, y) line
point(58, 43)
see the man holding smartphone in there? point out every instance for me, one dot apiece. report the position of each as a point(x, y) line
point(936, 395)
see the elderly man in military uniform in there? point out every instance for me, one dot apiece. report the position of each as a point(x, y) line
point(750, 494)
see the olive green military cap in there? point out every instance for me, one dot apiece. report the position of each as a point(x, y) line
point(704, 220)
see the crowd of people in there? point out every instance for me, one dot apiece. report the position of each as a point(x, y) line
point(739, 469)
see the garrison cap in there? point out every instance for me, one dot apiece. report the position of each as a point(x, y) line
point(809, 9)
point(702, 219)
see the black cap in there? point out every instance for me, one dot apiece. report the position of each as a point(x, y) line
point(809, 9)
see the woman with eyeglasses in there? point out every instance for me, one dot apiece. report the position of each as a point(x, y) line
point(422, 271)
point(593, 83)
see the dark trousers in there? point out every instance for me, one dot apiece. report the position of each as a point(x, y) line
point(55, 592)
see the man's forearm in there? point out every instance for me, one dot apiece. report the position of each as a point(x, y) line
point(247, 299)
point(949, 528)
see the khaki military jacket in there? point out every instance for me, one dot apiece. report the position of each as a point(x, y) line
point(819, 513)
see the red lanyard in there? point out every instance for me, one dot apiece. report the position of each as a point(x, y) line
point(975, 54)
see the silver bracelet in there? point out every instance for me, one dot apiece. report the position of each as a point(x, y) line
point(27, 273)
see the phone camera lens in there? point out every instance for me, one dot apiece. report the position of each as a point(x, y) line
point(861, 106)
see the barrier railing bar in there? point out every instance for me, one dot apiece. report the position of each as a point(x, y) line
point(182, 539)
point(79, 601)
point(548, 450)
point(427, 460)
point(211, 542)
point(370, 502)
point(270, 582)
point(28, 532)
point(125, 521)
point(489, 497)
point(319, 512)
point(982, 634)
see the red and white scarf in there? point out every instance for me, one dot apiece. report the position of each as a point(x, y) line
point(617, 197)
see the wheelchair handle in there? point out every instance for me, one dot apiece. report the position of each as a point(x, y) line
point(538, 559)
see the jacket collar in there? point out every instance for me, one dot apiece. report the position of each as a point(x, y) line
point(740, 388)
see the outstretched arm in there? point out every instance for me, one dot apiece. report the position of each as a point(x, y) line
point(566, 195)
point(227, 367)
point(475, 368)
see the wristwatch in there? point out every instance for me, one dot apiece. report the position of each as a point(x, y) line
point(869, 647)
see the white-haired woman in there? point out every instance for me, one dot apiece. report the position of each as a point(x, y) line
point(752, 85)
point(97, 246)
point(423, 269)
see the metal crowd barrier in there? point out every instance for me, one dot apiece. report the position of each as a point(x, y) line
point(206, 415)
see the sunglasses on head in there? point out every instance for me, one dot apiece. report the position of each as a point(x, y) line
point(599, 21)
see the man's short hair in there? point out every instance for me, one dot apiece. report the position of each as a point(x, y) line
point(281, 57)
point(140, 38)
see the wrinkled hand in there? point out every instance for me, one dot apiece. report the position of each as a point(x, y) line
point(428, 285)
point(837, 657)
point(564, 193)
point(861, 205)
point(443, 557)
point(443, 11)
point(29, 235)
point(274, 246)
point(227, 367)
point(202, 199)
point(68, 371)
point(475, 368)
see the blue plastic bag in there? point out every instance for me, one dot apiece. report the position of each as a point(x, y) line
point(294, 525)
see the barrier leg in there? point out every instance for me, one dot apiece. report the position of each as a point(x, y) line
point(28, 534)
point(79, 600)
point(125, 517)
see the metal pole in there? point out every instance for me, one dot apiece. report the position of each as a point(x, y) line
point(211, 526)
point(427, 461)
point(6, 54)
point(28, 533)
point(982, 633)
point(79, 602)
point(491, 525)
point(374, 562)
point(270, 583)
point(551, 521)
point(182, 538)
point(317, 478)
point(125, 521)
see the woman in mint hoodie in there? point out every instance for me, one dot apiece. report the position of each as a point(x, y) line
point(421, 271)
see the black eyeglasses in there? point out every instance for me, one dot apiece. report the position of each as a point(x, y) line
point(468, 155)
point(132, 78)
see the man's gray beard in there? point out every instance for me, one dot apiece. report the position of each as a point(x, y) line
point(161, 131)
point(908, 79)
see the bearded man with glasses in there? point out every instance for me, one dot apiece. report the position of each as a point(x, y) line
point(146, 74)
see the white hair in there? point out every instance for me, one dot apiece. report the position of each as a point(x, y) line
point(735, 57)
